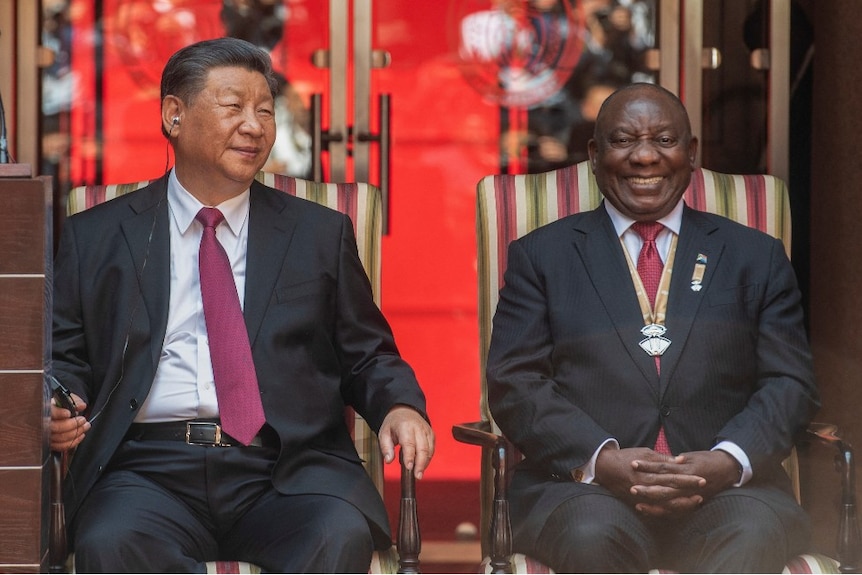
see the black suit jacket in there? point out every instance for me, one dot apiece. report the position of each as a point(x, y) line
point(565, 371)
point(318, 340)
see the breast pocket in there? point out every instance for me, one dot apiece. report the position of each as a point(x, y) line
point(319, 287)
point(735, 295)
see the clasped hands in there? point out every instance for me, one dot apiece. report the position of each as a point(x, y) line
point(660, 485)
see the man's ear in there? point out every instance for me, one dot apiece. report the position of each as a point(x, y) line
point(592, 151)
point(172, 113)
point(692, 152)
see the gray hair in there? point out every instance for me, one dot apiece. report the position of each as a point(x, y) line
point(186, 72)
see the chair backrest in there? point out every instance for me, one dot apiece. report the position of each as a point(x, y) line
point(360, 201)
point(510, 206)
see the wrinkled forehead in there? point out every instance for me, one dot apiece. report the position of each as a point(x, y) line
point(659, 109)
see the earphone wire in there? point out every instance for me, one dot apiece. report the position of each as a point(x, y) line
point(162, 198)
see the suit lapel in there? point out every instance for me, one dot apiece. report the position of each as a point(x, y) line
point(148, 239)
point(271, 227)
point(696, 239)
point(602, 253)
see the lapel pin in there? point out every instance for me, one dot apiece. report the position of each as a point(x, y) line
point(697, 275)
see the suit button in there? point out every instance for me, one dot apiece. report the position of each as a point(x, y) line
point(665, 411)
point(133, 404)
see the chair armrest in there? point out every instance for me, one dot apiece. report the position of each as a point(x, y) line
point(848, 545)
point(477, 433)
point(409, 541)
point(501, 450)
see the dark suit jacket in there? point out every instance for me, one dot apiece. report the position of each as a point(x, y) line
point(318, 340)
point(565, 371)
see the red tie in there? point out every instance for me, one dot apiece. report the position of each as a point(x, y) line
point(233, 369)
point(650, 265)
point(650, 268)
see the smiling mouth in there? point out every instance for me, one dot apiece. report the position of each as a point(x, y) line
point(639, 181)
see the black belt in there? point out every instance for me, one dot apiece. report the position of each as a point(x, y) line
point(196, 432)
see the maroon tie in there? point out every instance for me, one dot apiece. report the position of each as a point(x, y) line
point(650, 268)
point(233, 369)
point(650, 265)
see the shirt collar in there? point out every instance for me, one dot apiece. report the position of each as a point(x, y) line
point(672, 221)
point(185, 207)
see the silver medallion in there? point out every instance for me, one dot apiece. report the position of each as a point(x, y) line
point(654, 343)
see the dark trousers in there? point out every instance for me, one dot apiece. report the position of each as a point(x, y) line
point(168, 507)
point(739, 531)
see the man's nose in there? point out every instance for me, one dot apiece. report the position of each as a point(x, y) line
point(644, 152)
point(251, 124)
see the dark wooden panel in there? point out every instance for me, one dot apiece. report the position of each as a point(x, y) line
point(29, 568)
point(23, 322)
point(25, 231)
point(21, 527)
point(21, 426)
point(25, 304)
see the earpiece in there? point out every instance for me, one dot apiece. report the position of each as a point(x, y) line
point(176, 120)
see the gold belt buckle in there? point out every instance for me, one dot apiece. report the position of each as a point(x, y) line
point(216, 429)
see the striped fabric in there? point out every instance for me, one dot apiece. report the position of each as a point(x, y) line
point(362, 202)
point(381, 562)
point(510, 206)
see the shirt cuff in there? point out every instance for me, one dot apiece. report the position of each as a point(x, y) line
point(741, 458)
point(587, 473)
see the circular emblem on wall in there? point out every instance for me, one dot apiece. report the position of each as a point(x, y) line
point(517, 52)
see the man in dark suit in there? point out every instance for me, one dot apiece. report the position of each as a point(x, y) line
point(653, 409)
point(157, 483)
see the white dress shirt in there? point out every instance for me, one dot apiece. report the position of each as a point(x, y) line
point(183, 387)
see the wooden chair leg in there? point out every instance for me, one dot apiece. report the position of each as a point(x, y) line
point(501, 526)
point(57, 547)
point(409, 541)
point(848, 527)
point(849, 545)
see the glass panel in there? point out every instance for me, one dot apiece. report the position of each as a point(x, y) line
point(464, 77)
point(548, 65)
point(101, 95)
point(614, 37)
point(734, 132)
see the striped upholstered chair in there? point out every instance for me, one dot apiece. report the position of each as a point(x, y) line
point(362, 202)
point(509, 206)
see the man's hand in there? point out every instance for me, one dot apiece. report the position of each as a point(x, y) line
point(655, 484)
point(718, 469)
point(405, 427)
point(68, 429)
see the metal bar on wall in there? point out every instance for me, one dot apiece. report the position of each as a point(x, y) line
point(669, 28)
point(7, 68)
point(338, 35)
point(20, 35)
point(29, 84)
point(778, 104)
point(361, 88)
point(692, 66)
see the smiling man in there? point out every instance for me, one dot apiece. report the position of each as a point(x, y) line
point(212, 331)
point(653, 417)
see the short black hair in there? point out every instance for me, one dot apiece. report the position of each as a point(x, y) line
point(661, 90)
point(186, 72)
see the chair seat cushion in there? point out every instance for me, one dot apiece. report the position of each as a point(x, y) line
point(812, 563)
point(381, 562)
